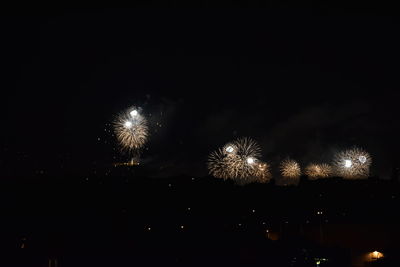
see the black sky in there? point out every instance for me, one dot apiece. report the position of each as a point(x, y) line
point(303, 82)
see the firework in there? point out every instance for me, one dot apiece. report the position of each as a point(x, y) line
point(262, 172)
point(230, 149)
point(290, 169)
point(290, 173)
point(220, 165)
point(239, 161)
point(247, 148)
point(259, 174)
point(352, 163)
point(246, 158)
point(316, 171)
point(131, 130)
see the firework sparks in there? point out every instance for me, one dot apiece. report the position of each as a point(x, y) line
point(131, 130)
point(262, 172)
point(247, 147)
point(238, 160)
point(230, 149)
point(246, 158)
point(290, 173)
point(221, 165)
point(352, 163)
point(290, 169)
point(316, 171)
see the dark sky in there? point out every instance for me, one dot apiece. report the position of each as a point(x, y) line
point(303, 82)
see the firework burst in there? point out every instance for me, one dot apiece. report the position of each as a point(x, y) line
point(317, 171)
point(221, 165)
point(290, 169)
point(230, 149)
point(247, 148)
point(352, 163)
point(238, 160)
point(131, 130)
point(290, 173)
point(262, 172)
point(246, 158)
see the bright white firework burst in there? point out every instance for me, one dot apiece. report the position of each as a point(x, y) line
point(352, 163)
point(239, 161)
point(131, 130)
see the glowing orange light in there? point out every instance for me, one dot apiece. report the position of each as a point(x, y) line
point(376, 255)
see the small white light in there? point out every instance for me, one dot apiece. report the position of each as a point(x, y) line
point(362, 159)
point(229, 149)
point(347, 163)
point(250, 160)
point(128, 124)
point(134, 113)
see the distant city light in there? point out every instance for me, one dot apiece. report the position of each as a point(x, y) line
point(318, 261)
point(376, 255)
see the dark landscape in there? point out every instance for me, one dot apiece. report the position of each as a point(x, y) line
point(186, 221)
point(205, 136)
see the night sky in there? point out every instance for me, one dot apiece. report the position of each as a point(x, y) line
point(302, 82)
